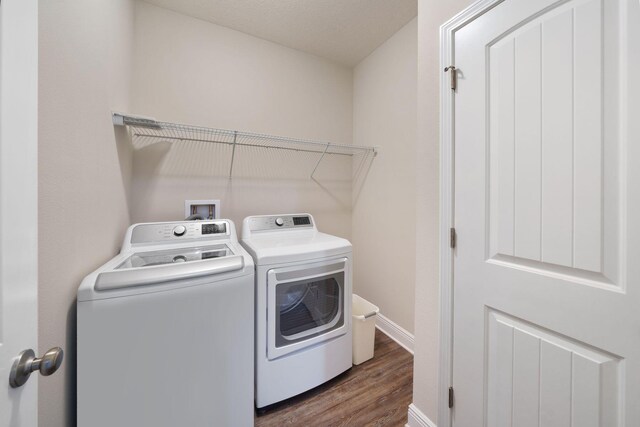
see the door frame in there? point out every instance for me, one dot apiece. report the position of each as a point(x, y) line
point(447, 197)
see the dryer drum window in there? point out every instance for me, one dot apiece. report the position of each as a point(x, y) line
point(309, 308)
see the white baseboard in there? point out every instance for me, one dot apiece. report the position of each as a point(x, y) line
point(418, 419)
point(395, 332)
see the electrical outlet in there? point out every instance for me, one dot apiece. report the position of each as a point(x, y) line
point(206, 209)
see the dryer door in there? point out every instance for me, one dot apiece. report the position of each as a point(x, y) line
point(306, 305)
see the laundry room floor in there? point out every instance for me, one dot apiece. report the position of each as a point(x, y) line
point(377, 392)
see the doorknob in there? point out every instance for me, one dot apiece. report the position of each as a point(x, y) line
point(27, 362)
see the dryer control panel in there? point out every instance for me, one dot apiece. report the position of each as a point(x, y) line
point(279, 222)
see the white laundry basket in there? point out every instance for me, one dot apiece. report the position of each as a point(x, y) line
point(363, 314)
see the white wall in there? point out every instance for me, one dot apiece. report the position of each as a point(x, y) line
point(84, 67)
point(431, 14)
point(191, 71)
point(384, 215)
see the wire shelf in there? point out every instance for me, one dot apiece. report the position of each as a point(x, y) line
point(233, 152)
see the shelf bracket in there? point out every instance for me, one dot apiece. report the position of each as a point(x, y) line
point(233, 152)
point(319, 160)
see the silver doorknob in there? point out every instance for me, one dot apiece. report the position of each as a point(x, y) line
point(27, 362)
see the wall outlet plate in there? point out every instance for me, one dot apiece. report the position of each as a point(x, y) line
point(208, 209)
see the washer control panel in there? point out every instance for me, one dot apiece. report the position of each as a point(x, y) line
point(279, 222)
point(179, 230)
point(171, 231)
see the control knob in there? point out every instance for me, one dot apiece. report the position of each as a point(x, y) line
point(279, 222)
point(179, 230)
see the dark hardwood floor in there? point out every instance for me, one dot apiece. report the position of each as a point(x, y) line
point(374, 393)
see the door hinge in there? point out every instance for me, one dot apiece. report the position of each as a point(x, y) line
point(454, 76)
point(452, 238)
point(450, 397)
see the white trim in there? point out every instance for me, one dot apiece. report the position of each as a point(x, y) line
point(395, 332)
point(417, 418)
point(447, 33)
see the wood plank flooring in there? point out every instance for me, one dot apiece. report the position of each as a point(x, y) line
point(375, 393)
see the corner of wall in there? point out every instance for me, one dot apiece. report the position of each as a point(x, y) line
point(431, 14)
point(384, 115)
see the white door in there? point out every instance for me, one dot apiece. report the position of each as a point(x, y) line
point(547, 211)
point(18, 204)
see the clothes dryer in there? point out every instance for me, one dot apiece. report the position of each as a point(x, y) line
point(303, 304)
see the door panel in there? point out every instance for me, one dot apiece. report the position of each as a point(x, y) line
point(557, 140)
point(546, 143)
point(588, 140)
point(536, 377)
point(527, 152)
point(546, 293)
point(18, 205)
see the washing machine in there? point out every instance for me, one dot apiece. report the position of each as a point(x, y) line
point(303, 304)
point(165, 330)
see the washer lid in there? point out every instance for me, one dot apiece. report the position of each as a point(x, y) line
point(174, 256)
point(202, 255)
point(170, 265)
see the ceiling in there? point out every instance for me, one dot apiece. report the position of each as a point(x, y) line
point(344, 31)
